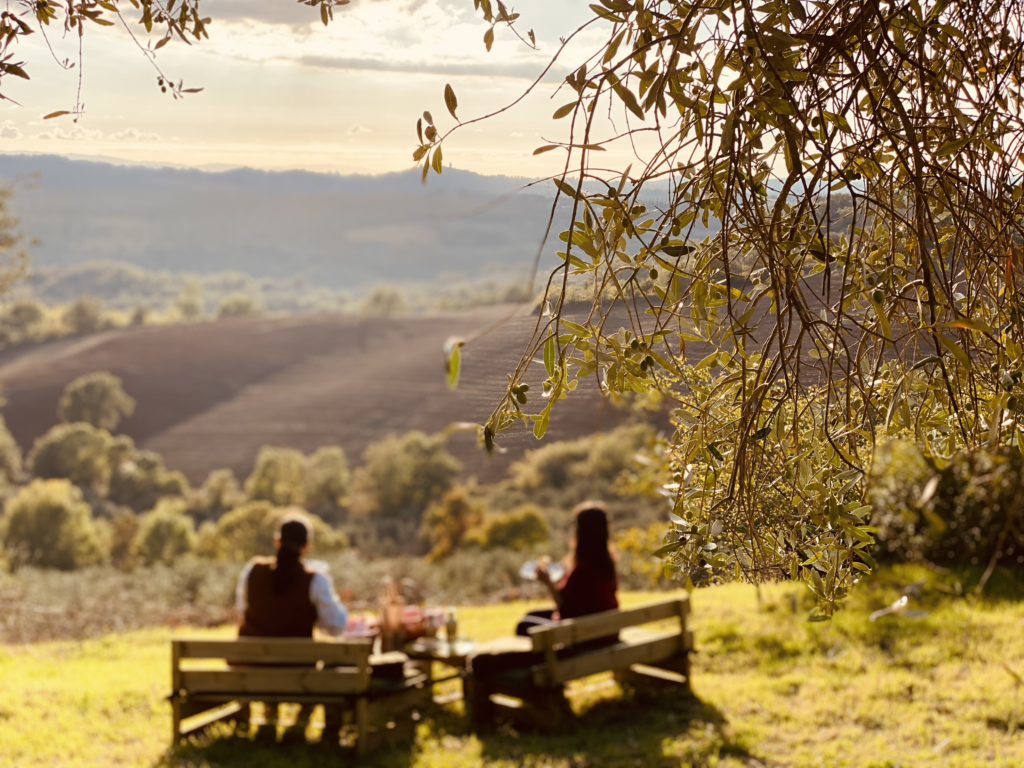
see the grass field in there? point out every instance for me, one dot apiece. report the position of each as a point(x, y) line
point(770, 689)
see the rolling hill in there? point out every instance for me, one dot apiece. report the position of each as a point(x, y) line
point(211, 394)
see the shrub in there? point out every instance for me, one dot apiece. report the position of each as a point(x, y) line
point(24, 321)
point(10, 454)
point(401, 476)
point(248, 530)
point(76, 452)
point(239, 305)
point(47, 524)
point(84, 316)
point(383, 300)
point(446, 522)
point(519, 529)
point(972, 514)
point(278, 477)
point(141, 480)
point(165, 533)
point(327, 477)
point(121, 546)
point(98, 399)
point(219, 493)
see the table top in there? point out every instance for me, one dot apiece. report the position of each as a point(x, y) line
point(433, 649)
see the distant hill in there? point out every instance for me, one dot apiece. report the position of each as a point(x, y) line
point(333, 231)
point(211, 394)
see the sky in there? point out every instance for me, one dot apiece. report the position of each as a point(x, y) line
point(282, 91)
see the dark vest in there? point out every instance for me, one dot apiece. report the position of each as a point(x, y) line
point(271, 614)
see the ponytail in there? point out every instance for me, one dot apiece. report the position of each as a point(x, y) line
point(293, 534)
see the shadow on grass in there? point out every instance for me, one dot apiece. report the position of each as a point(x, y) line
point(637, 728)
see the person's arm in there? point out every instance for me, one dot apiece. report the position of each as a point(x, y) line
point(242, 589)
point(545, 578)
point(332, 615)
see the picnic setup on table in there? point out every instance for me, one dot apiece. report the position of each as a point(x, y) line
point(374, 673)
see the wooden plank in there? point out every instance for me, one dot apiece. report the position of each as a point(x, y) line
point(277, 680)
point(353, 652)
point(572, 631)
point(175, 690)
point(448, 698)
point(197, 723)
point(619, 656)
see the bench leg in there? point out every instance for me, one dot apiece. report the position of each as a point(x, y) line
point(363, 745)
point(547, 708)
point(477, 696)
point(175, 721)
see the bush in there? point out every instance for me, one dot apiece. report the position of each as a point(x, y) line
point(141, 480)
point(10, 454)
point(165, 533)
point(401, 476)
point(249, 529)
point(972, 516)
point(85, 316)
point(219, 493)
point(520, 529)
point(121, 545)
point(278, 477)
point(98, 399)
point(446, 522)
point(76, 452)
point(327, 478)
point(47, 524)
point(384, 300)
point(239, 305)
point(24, 321)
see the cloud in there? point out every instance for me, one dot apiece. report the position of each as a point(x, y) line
point(134, 134)
point(9, 130)
point(78, 133)
point(355, 129)
point(288, 13)
point(516, 135)
point(520, 71)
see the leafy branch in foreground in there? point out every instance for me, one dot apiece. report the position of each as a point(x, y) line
point(854, 171)
point(171, 20)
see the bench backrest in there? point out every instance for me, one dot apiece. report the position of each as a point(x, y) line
point(565, 634)
point(272, 665)
point(572, 631)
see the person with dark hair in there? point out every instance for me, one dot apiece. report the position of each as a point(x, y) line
point(590, 584)
point(284, 596)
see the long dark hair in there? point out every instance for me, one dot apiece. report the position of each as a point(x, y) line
point(293, 533)
point(592, 538)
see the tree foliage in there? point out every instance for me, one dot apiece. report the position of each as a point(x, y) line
point(447, 521)
point(520, 528)
point(853, 171)
point(401, 476)
point(165, 533)
point(77, 452)
point(96, 398)
point(10, 454)
point(248, 530)
point(278, 477)
point(327, 478)
point(47, 524)
point(141, 479)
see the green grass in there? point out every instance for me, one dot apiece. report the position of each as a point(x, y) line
point(771, 689)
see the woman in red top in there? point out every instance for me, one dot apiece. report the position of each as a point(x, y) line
point(590, 585)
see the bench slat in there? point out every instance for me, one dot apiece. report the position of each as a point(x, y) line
point(278, 680)
point(572, 631)
point(277, 651)
point(619, 656)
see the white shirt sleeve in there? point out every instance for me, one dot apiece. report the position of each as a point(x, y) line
point(332, 615)
point(242, 589)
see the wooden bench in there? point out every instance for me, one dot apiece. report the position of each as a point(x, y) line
point(338, 674)
point(525, 678)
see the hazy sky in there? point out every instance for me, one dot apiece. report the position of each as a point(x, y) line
point(283, 91)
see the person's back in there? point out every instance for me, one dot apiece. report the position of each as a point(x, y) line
point(274, 609)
